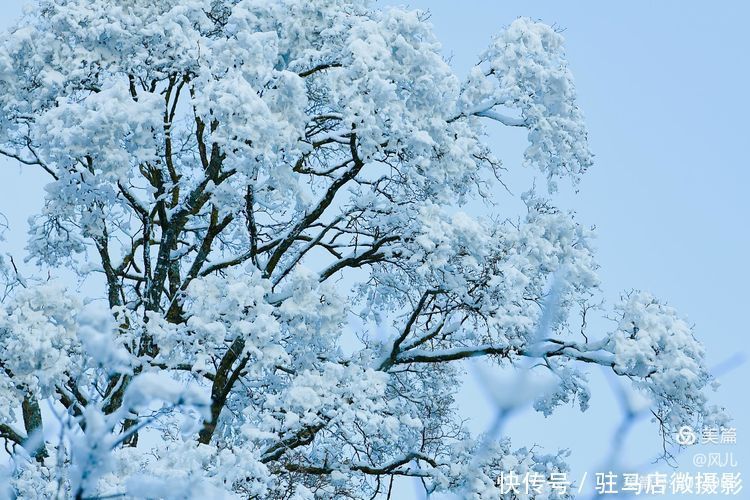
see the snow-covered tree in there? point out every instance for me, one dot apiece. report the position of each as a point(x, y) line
point(275, 195)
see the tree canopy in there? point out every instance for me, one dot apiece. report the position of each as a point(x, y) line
point(276, 196)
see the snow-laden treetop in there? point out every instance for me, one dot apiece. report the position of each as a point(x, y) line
point(256, 181)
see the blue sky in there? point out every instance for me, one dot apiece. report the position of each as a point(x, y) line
point(662, 85)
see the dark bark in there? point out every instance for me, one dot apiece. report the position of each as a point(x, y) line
point(32, 420)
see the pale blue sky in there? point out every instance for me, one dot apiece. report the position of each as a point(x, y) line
point(662, 85)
